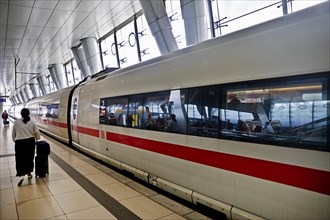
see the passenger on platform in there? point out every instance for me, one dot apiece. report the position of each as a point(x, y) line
point(25, 134)
point(172, 125)
point(4, 117)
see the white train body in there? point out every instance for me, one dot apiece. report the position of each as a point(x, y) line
point(239, 178)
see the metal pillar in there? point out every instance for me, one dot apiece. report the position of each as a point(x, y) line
point(92, 54)
point(159, 24)
point(60, 75)
point(43, 85)
point(79, 56)
point(52, 73)
point(35, 90)
point(285, 7)
point(23, 97)
point(28, 93)
point(194, 13)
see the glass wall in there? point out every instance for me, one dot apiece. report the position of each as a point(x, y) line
point(69, 73)
point(51, 84)
point(120, 47)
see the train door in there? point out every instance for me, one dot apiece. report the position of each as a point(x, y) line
point(74, 119)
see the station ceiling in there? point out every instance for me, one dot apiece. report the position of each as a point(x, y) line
point(37, 33)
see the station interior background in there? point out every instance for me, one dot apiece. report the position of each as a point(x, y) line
point(39, 49)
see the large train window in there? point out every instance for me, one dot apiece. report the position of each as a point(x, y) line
point(49, 110)
point(202, 108)
point(282, 112)
point(113, 111)
point(163, 112)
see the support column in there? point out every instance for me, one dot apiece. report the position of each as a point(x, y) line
point(23, 97)
point(35, 90)
point(92, 54)
point(58, 75)
point(79, 56)
point(43, 85)
point(13, 100)
point(159, 24)
point(194, 14)
point(27, 92)
point(18, 98)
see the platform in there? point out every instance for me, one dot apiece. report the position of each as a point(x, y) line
point(79, 187)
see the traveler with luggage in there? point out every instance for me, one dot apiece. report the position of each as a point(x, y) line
point(4, 117)
point(25, 134)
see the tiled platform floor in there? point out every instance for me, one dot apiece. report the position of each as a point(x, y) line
point(68, 192)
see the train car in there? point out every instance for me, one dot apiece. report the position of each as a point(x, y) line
point(251, 111)
point(50, 113)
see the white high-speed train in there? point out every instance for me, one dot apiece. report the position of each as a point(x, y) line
point(252, 115)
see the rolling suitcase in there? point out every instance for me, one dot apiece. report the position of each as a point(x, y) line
point(41, 160)
point(41, 166)
point(43, 148)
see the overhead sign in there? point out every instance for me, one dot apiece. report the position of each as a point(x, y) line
point(2, 100)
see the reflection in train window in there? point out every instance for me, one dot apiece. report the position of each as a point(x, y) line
point(113, 111)
point(136, 111)
point(202, 109)
point(157, 110)
point(164, 111)
point(49, 110)
point(291, 113)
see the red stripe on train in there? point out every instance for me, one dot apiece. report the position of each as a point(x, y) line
point(55, 123)
point(301, 177)
point(84, 130)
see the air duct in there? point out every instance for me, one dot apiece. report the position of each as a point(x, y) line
point(159, 24)
point(195, 18)
point(92, 54)
point(79, 56)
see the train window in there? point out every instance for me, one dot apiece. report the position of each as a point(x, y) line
point(157, 108)
point(163, 112)
point(136, 111)
point(289, 114)
point(49, 110)
point(202, 110)
point(113, 111)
